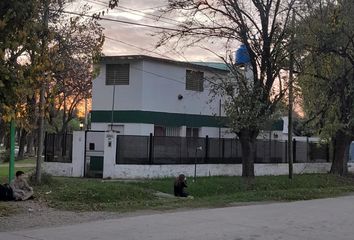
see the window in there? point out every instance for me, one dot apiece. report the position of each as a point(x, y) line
point(117, 74)
point(172, 131)
point(159, 131)
point(192, 132)
point(194, 80)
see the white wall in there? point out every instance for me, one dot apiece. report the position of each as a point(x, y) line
point(58, 169)
point(213, 132)
point(128, 128)
point(76, 167)
point(78, 153)
point(160, 93)
point(158, 171)
point(110, 143)
point(127, 97)
point(153, 86)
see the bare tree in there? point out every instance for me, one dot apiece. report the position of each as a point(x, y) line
point(263, 27)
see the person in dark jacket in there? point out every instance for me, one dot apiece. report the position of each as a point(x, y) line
point(179, 185)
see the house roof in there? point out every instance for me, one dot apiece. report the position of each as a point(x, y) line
point(212, 67)
point(218, 65)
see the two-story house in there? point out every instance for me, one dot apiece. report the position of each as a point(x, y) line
point(139, 95)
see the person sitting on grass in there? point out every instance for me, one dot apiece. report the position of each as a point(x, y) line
point(179, 186)
point(20, 188)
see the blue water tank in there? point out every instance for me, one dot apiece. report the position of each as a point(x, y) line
point(242, 57)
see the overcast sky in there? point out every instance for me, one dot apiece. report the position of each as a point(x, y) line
point(134, 39)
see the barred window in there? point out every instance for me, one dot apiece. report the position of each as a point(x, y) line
point(117, 74)
point(192, 132)
point(194, 80)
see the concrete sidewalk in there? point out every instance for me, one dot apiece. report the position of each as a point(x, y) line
point(324, 219)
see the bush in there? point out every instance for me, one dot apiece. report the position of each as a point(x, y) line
point(5, 156)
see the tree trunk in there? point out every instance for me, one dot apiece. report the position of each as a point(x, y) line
point(21, 150)
point(30, 144)
point(248, 147)
point(340, 156)
point(7, 140)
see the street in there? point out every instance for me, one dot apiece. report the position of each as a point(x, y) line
point(324, 219)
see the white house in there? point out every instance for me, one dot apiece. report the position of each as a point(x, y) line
point(139, 95)
point(142, 95)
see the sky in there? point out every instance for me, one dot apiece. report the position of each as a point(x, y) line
point(130, 39)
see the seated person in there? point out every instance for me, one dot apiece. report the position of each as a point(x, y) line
point(179, 185)
point(21, 189)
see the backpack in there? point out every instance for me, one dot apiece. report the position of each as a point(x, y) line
point(6, 193)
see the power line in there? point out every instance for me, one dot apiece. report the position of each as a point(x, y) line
point(120, 21)
point(132, 45)
point(159, 75)
point(139, 13)
point(159, 17)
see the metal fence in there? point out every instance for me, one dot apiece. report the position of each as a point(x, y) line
point(184, 150)
point(58, 147)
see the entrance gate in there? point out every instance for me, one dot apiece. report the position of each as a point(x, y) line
point(94, 152)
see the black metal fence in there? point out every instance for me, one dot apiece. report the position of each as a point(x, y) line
point(183, 150)
point(58, 147)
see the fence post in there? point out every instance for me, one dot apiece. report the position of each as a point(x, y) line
point(151, 148)
point(206, 149)
point(223, 149)
point(327, 152)
point(294, 150)
point(307, 149)
point(45, 146)
point(286, 151)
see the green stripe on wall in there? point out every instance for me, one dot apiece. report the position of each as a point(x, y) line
point(158, 118)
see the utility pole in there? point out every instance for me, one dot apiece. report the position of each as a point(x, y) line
point(42, 92)
point(86, 122)
point(291, 99)
point(113, 100)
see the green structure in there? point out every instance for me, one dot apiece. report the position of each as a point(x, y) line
point(12, 151)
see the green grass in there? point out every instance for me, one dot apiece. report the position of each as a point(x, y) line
point(4, 172)
point(4, 168)
point(29, 160)
point(92, 195)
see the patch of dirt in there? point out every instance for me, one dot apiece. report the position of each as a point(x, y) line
point(35, 214)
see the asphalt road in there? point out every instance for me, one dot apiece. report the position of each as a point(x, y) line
point(324, 219)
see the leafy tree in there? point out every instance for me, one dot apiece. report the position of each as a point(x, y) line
point(263, 27)
point(76, 47)
point(326, 45)
point(17, 26)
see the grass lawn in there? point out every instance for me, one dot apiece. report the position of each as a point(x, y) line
point(93, 194)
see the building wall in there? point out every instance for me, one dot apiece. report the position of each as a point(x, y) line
point(159, 171)
point(162, 83)
point(127, 97)
point(128, 128)
point(153, 87)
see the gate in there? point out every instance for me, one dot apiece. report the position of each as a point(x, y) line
point(94, 152)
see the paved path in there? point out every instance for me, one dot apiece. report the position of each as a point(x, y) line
point(325, 219)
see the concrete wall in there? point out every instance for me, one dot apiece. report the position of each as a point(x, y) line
point(76, 167)
point(112, 170)
point(127, 128)
point(157, 171)
point(58, 169)
point(162, 83)
point(127, 97)
point(154, 86)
